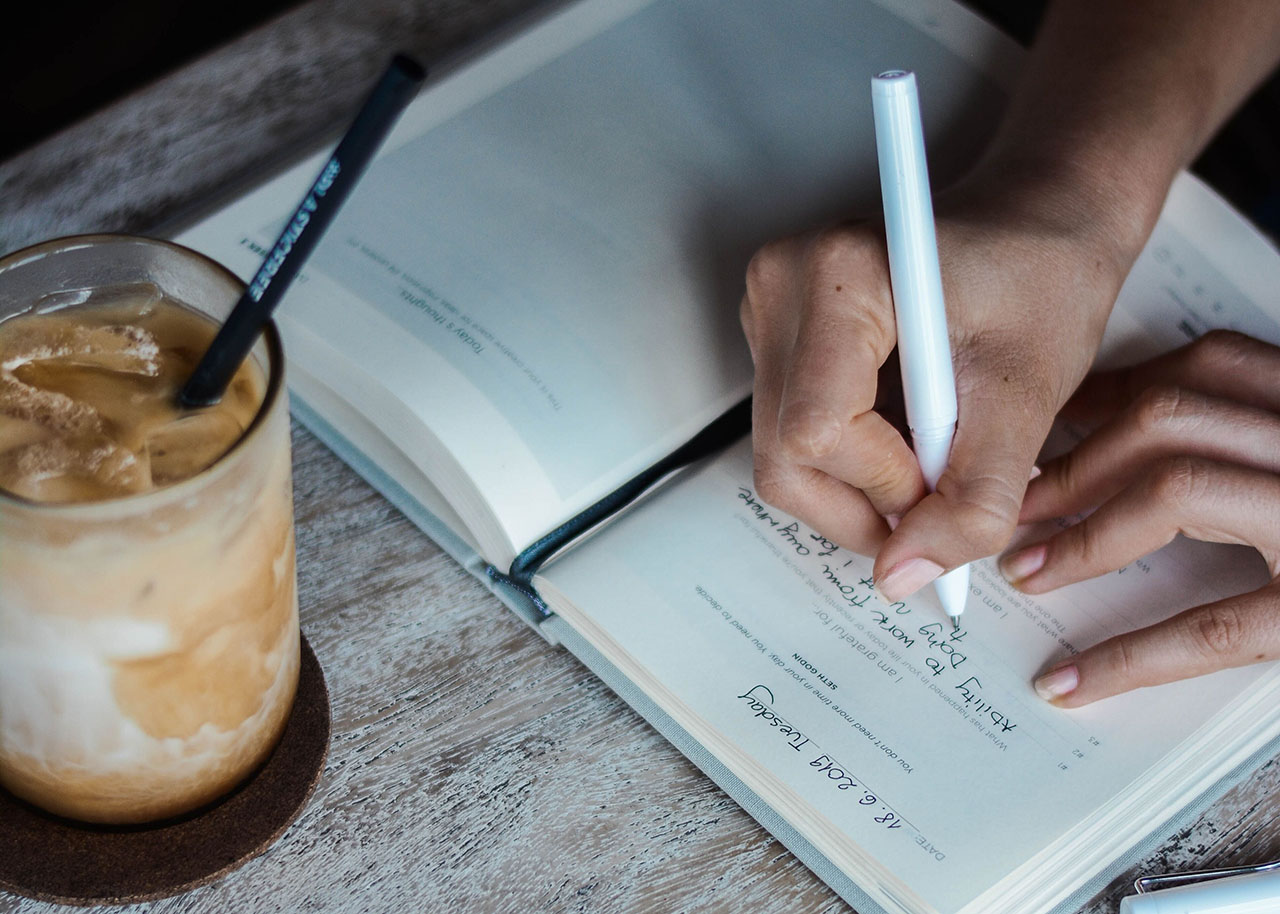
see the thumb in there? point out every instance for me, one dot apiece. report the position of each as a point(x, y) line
point(974, 510)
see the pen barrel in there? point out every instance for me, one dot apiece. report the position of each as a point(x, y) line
point(923, 345)
point(1250, 893)
point(932, 447)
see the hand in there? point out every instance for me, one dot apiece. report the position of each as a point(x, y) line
point(1188, 443)
point(1029, 281)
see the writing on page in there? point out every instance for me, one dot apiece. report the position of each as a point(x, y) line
point(770, 634)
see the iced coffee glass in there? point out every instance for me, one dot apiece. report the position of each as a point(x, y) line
point(149, 642)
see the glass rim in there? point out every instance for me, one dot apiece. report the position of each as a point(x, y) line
point(178, 490)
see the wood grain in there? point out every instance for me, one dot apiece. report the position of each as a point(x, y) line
point(473, 768)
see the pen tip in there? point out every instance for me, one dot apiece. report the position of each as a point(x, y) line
point(953, 590)
point(955, 623)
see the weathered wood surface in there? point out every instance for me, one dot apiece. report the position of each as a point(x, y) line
point(472, 767)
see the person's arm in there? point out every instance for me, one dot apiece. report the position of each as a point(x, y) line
point(1035, 242)
point(1118, 97)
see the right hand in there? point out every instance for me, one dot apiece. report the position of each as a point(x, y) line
point(1029, 281)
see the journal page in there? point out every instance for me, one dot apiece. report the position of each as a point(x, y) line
point(889, 739)
point(892, 737)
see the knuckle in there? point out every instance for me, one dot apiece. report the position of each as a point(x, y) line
point(1124, 658)
point(1088, 548)
point(1129, 663)
point(1157, 409)
point(832, 247)
point(883, 473)
point(1068, 472)
point(987, 512)
point(766, 272)
point(845, 250)
point(773, 487)
point(1220, 350)
point(1180, 481)
point(1218, 631)
point(882, 477)
point(808, 433)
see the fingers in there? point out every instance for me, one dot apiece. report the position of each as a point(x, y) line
point(842, 336)
point(870, 455)
point(975, 509)
point(839, 511)
point(1162, 422)
point(819, 321)
point(1222, 363)
point(1209, 501)
point(1189, 444)
point(826, 417)
point(1234, 632)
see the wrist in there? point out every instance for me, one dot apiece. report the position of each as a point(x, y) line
point(1110, 207)
point(1075, 216)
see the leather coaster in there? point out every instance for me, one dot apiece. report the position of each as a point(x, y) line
point(55, 859)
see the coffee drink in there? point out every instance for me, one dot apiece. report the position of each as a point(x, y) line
point(148, 605)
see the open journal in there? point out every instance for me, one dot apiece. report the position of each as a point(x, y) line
point(527, 315)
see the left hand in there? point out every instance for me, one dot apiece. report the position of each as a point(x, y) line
point(1188, 443)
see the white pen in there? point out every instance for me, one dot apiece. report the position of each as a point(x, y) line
point(1250, 893)
point(928, 380)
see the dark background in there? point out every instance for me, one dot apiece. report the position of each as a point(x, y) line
point(63, 59)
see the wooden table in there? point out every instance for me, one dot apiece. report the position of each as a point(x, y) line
point(471, 766)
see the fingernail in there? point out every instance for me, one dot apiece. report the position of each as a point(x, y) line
point(1035, 471)
point(905, 578)
point(892, 520)
point(1024, 563)
point(1057, 683)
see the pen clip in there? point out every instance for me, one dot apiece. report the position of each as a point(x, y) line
point(1145, 884)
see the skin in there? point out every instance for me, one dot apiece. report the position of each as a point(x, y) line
point(1187, 444)
point(1034, 243)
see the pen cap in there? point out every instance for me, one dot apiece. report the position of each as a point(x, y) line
point(1251, 893)
point(923, 346)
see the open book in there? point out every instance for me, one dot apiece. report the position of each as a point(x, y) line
point(527, 316)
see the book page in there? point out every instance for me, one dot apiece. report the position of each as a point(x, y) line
point(924, 746)
point(917, 758)
point(561, 230)
point(1203, 268)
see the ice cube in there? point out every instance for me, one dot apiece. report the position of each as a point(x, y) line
point(190, 443)
point(47, 409)
point(112, 347)
point(84, 468)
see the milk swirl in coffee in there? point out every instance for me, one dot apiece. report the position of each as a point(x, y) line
point(148, 610)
